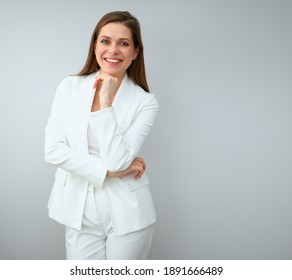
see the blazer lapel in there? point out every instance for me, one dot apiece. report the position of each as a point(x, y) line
point(124, 99)
point(80, 111)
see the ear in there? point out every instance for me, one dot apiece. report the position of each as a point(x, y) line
point(136, 53)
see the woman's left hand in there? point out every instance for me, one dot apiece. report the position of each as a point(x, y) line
point(137, 168)
point(106, 86)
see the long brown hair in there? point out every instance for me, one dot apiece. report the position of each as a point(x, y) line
point(136, 71)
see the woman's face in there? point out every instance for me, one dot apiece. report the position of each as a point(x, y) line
point(114, 50)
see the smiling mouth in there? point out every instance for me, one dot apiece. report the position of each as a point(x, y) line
point(110, 60)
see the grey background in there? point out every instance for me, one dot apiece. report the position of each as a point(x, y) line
point(219, 157)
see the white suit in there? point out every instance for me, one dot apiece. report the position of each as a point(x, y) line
point(120, 130)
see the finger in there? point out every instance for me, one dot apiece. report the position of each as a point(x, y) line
point(141, 161)
point(107, 76)
point(138, 163)
point(138, 166)
point(97, 81)
point(139, 174)
point(103, 75)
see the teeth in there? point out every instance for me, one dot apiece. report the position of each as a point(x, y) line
point(112, 60)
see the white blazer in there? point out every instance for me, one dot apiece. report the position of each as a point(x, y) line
point(120, 130)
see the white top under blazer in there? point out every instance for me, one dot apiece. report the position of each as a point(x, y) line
point(120, 131)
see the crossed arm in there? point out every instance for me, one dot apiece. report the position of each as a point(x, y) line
point(118, 152)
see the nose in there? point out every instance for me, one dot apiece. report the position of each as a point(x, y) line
point(113, 48)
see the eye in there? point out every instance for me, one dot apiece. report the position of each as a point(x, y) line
point(124, 44)
point(105, 41)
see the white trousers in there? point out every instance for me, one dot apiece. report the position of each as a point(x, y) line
point(96, 240)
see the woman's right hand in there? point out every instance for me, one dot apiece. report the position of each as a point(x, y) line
point(137, 167)
point(105, 87)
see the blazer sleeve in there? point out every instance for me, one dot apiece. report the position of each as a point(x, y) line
point(117, 149)
point(57, 150)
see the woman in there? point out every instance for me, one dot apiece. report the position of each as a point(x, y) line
point(99, 120)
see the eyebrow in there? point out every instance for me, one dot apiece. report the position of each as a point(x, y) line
point(120, 39)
